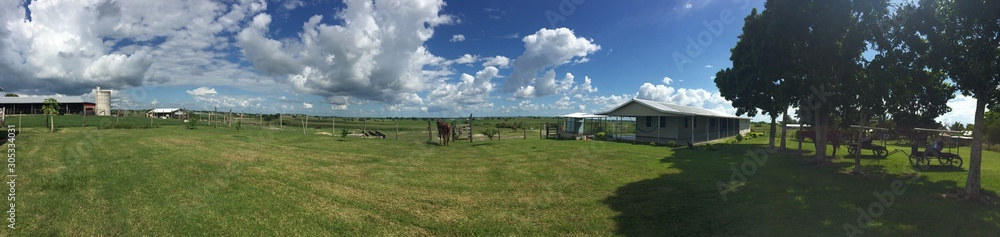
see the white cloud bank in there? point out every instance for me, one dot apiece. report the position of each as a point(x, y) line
point(547, 48)
point(377, 54)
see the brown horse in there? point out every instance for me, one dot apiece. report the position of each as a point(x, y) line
point(444, 132)
point(832, 136)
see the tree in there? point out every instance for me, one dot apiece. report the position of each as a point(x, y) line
point(916, 93)
point(960, 37)
point(825, 41)
point(50, 108)
point(757, 80)
point(10, 95)
point(991, 127)
point(957, 127)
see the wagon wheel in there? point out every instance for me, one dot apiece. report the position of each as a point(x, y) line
point(923, 162)
point(956, 161)
point(944, 160)
point(852, 150)
point(880, 152)
point(914, 158)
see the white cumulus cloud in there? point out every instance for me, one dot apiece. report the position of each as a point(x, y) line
point(547, 48)
point(699, 98)
point(457, 38)
point(467, 59)
point(376, 54)
point(497, 61)
point(469, 94)
point(667, 80)
point(202, 91)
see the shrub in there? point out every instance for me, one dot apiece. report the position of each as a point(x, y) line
point(192, 123)
point(489, 132)
point(344, 133)
point(739, 138)
point(602, 136)
point(672, 144)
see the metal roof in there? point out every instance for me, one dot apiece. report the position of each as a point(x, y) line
point(583, 115)
point(40, 100)
point(168, 110)
point(672, 109)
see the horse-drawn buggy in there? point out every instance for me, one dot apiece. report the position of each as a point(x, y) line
point(936, 150)
point(866, 142)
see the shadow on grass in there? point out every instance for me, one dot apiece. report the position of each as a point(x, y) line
point(784, 197)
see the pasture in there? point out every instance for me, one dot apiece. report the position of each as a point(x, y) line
point(169, 180)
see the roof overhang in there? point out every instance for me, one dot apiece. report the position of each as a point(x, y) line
point(665, 109)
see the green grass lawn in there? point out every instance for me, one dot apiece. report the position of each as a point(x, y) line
point(221, 181)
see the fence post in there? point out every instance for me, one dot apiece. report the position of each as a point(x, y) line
point(470, 128)
point(397, 130)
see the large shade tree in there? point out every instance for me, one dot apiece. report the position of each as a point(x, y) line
point(825, 40)
point(962, 38)
point(896, 82)
point(757, 80)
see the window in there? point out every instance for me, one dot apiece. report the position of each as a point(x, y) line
point(711, 122)
point(685, 122)
point(649, 121)
point(696, 122)
point(663, 122)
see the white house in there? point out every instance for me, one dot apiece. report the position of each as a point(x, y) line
point(663, 122)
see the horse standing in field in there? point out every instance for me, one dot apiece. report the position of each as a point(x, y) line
point(832, 136)
point(444, 132)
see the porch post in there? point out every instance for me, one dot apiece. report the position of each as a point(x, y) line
point(693, 119)
point(658, 128)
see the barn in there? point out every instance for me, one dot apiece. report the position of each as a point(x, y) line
point(33, 105)
point(167, 113)
point(662, 122)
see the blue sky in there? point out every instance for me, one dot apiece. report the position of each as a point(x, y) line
point(426, 58)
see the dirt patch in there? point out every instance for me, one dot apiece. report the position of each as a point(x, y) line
point(325, 133)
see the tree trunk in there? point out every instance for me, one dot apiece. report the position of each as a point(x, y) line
point(784, 128)
point(52, 125)
point(861, 131)
point(820, 138)
point(972, 185)
point(770, 136)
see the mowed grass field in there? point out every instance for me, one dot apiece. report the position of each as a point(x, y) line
point(258, 181)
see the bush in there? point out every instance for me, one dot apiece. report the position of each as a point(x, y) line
point(344, 133)
point(602, 136)
point(739, 138)
point(489, 132)
point(192, 123)
point(672, 144)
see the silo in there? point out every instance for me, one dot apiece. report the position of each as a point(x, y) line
point(103, 102)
